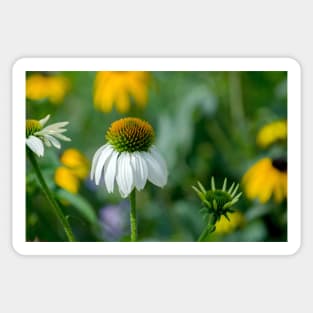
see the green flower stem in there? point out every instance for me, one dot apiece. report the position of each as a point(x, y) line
point(210, 228)
point(204, 234)
point(133, 218)
point(50, 197)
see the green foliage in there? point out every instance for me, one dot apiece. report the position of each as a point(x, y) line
point(79, 203)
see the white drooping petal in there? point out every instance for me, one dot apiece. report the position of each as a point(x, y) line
point(53, 131)
point(110, 172)
point(124, 177)
point(56, 126)
point(103, 157)
point(62, 137)
point(95, 161)
point(140, 170)
point(159, 158)
point(46, 141)
point(56, 143)
point(44, 132)
point(44, 120)
point(36, 145)
point(157, 173)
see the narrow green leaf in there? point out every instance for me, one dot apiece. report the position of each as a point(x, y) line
point(237, 197)
point(79, 203)
point(231, 188)
point(201, 187)
point(207, 203)
point(235, 190)
point(227, 205)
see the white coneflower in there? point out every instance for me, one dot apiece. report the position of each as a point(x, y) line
point(129, 158)
point(37, 135)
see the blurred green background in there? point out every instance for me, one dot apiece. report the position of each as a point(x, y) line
point(206, 124)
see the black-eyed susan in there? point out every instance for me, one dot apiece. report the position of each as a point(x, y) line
point(267, 178)
point(118, 88)
point(37, 135)
point(271, 133)
point(129, 158)
point(51, 87)
point(74, 169)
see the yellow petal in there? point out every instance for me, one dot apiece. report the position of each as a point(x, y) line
point(65, 179)
point(257, 180)
point(75, 161)
point(117, 87)
point(122, 102)
point(271, 133)
point(267, 188)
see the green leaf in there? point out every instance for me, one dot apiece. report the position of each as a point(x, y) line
point(79, 203)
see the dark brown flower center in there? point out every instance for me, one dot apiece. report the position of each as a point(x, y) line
point(280, 164)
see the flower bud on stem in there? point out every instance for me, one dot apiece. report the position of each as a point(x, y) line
point(210, 228)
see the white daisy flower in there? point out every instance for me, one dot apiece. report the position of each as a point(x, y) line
point(129, 158)
point(37, 135)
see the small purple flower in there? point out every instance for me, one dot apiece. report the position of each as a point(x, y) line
point(114, 221)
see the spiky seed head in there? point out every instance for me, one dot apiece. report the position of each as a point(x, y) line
point(130, 134)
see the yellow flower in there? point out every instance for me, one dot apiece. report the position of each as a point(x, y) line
point(267, 178)
point(53, 88)
point(224, 226)
point(271, 133)
point(75, 168)
point(65, 179)
point(76, 162)
point(118, 87)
